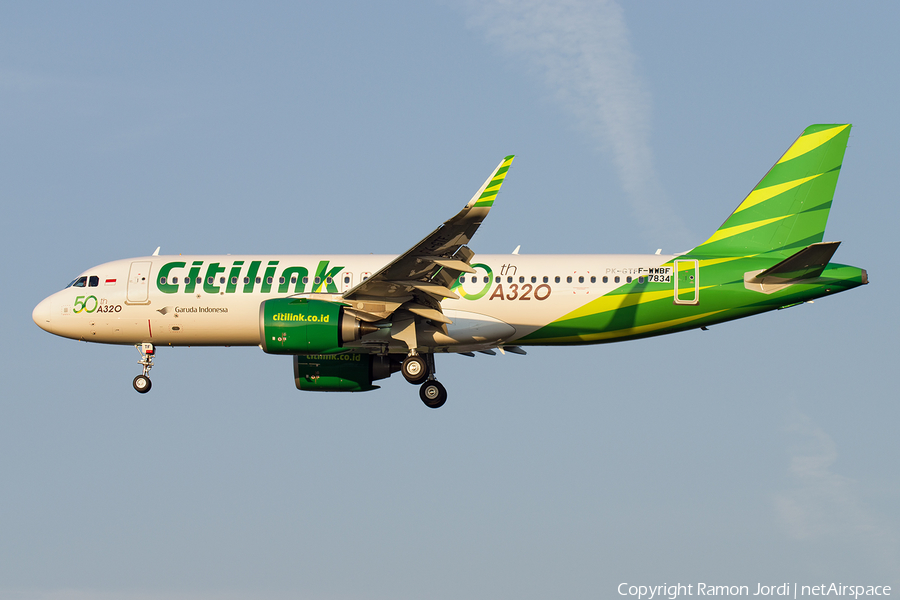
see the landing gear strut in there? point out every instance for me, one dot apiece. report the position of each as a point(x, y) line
point(142, 382)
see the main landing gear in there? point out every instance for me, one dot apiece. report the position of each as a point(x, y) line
point(417, 370)
point(433, 394)
point(142, 382)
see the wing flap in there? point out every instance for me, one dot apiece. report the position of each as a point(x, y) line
point(425, 312)
point(427, 270)
point(452, 264)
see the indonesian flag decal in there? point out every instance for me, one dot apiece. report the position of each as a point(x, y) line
point(110, 282)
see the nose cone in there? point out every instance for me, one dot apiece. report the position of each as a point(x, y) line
point(41, 314)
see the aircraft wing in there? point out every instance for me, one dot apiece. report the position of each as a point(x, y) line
point(422, 276)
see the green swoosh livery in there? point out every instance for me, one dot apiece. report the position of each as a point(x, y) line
point(348, 321)
point(784, 214)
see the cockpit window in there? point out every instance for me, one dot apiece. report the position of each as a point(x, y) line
point(80, 282)
point(93, 281)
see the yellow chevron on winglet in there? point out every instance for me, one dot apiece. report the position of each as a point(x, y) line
point(763, 194)
point(810, 142)
point(484, 198)
point(721, 234)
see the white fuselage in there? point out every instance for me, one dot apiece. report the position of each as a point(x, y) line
point(215, 299)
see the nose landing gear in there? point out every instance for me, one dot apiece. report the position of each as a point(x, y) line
point(142, 382)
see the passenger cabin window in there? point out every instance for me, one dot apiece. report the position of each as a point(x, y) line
point(533, 279)
point(546, 279)
point(593, 279)
point(580, 279)
point(509, 280)
point(605, 279)
point(569, 279)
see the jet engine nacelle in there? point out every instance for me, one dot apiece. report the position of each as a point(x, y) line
point(303, 325)
point(346, 372)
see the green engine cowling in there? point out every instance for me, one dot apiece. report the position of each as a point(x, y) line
point(303, 325)
point(345, 372)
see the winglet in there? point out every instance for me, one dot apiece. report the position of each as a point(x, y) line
point(485, 195)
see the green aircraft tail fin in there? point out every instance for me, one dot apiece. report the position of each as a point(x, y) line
point(788, 209)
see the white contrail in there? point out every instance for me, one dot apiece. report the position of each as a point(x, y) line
point(822, 504)
point(580, 49)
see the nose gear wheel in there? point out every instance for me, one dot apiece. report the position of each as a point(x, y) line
point(142, 383)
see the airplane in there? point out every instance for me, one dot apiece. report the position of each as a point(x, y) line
point(349, 321)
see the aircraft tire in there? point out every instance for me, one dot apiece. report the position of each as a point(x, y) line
point(142, 384)
point(433, 394)
point(414, 369)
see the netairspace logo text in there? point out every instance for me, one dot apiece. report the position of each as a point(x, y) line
point(787, 590)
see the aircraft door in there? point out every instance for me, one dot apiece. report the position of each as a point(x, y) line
point(687, 281)
point(139, 282)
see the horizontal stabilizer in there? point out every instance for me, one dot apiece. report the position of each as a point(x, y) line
point(806, 264)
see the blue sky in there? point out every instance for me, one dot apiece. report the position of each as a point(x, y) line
point(763, 450)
